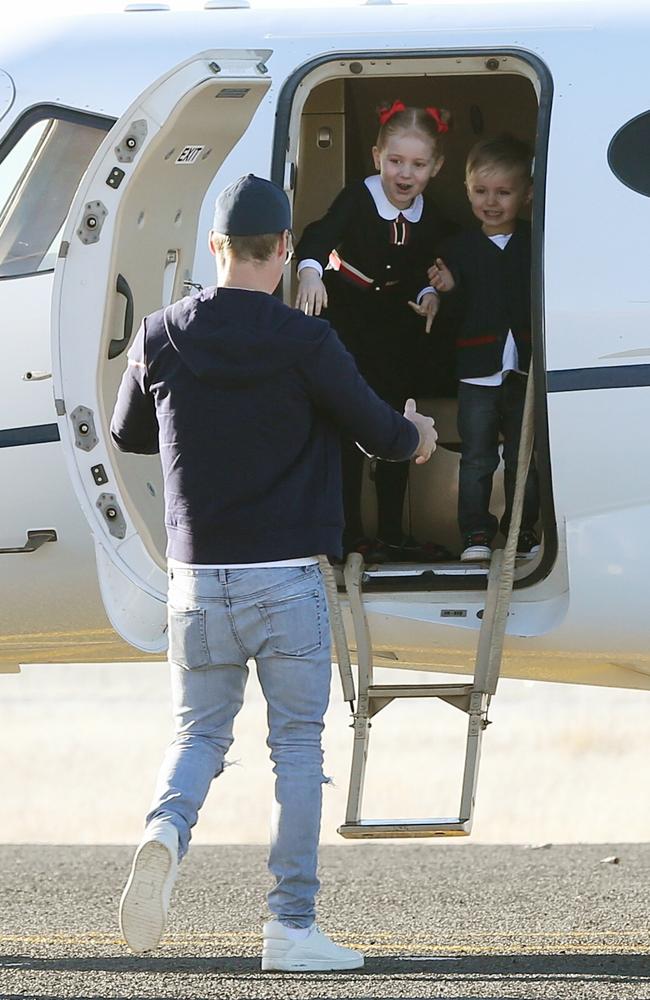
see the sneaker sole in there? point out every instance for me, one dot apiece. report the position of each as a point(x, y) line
point(529, 555)
point(477, 553)
point(277, 964)
point(142, 914)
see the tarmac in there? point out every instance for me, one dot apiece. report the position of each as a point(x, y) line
point(484, 919)
point(80, 746)
point(435, 920)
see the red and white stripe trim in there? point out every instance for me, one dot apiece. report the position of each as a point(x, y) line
point(342, 266)
point(400, 231)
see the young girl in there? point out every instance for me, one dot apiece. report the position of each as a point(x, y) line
point(377, 237)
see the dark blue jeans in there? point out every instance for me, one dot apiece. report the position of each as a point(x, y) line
point(484, 412)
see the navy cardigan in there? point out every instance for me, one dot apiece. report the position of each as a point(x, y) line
point(246, 398)
point(493, 293)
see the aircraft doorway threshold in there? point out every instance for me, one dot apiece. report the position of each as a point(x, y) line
point(139, 201)
point(326, 124)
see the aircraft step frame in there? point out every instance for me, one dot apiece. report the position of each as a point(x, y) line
point(473, 699)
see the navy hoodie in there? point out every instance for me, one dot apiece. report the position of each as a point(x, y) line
point(245, 398)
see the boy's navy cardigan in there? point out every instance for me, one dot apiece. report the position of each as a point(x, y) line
point(246, 398)
point(493, 293)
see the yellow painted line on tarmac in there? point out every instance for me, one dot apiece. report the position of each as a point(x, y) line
point(381, 944)
point(376, 937)
point(112, 939)
point(522, 948)
point(470, 935)
point(58, 938)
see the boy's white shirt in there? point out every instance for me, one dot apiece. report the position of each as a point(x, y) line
point(386, 210)
point(510, 357)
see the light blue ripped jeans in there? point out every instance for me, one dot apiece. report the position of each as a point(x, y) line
point(219, 619)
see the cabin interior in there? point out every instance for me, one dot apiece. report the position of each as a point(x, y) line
point(338, 127)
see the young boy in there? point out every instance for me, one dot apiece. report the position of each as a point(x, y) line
point(490, 270)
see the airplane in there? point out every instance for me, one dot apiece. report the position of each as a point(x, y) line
point(116, 133)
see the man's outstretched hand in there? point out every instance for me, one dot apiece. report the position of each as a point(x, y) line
point(426, 430)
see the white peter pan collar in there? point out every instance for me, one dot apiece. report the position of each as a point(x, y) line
point(386, 209)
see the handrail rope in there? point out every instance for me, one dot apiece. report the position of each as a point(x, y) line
point(500, 585)
point(338, 631)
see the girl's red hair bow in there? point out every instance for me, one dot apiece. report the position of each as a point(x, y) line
point(387, 113)
point(437, 117)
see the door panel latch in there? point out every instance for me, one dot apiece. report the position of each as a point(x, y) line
point(34, 541)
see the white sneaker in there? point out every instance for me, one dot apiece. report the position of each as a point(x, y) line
point(315, 953)
point(145, 900)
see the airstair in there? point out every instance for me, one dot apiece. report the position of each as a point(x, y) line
point(472, 697)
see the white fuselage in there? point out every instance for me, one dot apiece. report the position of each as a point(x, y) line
point(584, 617)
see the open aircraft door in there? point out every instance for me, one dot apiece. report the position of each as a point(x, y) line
point(128, 248)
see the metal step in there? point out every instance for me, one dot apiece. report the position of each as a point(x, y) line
point(369, 829)
point(418, 690)
point(380, 695)
point(372, 698)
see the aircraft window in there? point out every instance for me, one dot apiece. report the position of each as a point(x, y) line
point(38, 178)
point(628, 154)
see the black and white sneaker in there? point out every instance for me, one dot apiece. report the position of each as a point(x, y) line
point(477, 547)
point(528, 543)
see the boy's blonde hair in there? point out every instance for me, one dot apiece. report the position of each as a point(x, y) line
point(505, 152)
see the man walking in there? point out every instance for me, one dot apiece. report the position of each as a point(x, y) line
point(245, 398)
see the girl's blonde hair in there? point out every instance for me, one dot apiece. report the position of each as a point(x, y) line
point(431, 122)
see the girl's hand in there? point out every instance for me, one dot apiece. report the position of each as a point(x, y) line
point(428, 307)
point(440, 276)
point(312, 294)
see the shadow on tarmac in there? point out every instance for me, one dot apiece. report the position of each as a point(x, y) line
point(612, 969)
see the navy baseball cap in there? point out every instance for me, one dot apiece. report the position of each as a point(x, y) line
point(251, 206)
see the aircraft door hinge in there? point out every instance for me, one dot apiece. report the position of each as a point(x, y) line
point(85, 436)
point(92, 221)
point(109, 507)
point(127, 150)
